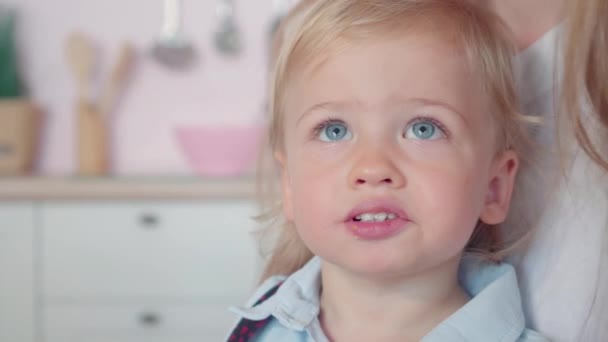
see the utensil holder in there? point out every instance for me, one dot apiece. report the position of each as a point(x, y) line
point(92, 137)
point(19, 134)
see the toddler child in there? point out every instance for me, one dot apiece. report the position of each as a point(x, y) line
point(396, 134)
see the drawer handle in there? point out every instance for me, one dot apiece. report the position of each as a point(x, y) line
point(149, 220)
point(6, 150)
point(150, 319)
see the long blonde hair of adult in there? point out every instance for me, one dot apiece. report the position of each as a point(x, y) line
point(585, 82)
point(316, 26)
point(584, 101)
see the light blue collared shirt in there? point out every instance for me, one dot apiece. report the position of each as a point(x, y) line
point(494, 312)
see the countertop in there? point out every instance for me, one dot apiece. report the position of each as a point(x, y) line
point(40, 188)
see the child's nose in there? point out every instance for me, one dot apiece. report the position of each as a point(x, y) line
point(376, 169)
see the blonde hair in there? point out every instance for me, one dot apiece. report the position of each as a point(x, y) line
point(584, 102)
point(316, 25)
point(585, 83)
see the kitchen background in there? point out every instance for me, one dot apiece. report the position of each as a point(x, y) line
point(125, 211)
point(217, 90)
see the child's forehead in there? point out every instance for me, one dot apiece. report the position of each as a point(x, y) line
point(422, 47)
point(382, 72)
point(386, 74)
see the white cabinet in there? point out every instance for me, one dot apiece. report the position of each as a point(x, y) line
point(148, 249)
point(134, 323)
point(17, 272)
point(124, 270)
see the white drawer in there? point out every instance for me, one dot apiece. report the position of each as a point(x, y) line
point(17, 305)
point(148, 249)
point(137, 323)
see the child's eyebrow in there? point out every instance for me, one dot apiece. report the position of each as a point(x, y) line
point(438, 103)
point(331, 106)
point(397, 101)
point(393, 102)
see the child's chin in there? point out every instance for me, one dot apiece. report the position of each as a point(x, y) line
point(381, 267)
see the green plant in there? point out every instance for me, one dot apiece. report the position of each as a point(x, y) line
point(10, 84)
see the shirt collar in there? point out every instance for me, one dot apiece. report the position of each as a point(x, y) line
point(296, 303)
point(494, 312)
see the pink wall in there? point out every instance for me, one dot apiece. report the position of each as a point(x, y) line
point(217, 91)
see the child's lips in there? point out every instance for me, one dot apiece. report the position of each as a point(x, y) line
point(377, 230)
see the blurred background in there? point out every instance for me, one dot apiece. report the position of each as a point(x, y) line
point(129, 132)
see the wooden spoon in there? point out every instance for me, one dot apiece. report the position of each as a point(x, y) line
point(117, 80)
point(81, 58)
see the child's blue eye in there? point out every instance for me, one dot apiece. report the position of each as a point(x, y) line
point(424, 130)
point(334, 132)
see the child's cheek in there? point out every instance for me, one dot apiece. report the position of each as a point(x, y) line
point(319, 158)
point(441, 152)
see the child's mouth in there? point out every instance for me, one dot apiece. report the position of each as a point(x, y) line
point(373, 229)
point(374, 217)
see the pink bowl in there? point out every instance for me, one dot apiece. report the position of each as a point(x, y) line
point(220, 151)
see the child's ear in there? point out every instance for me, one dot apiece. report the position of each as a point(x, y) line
point(279, 156)
point(500, 188)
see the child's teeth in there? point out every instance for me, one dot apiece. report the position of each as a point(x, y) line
point(378, 217)
point(367, 217)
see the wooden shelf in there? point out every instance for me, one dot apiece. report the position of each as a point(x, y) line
point(32, 188)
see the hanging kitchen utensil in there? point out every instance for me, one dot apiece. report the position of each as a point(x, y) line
point(171, 48)
point(227, 37)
